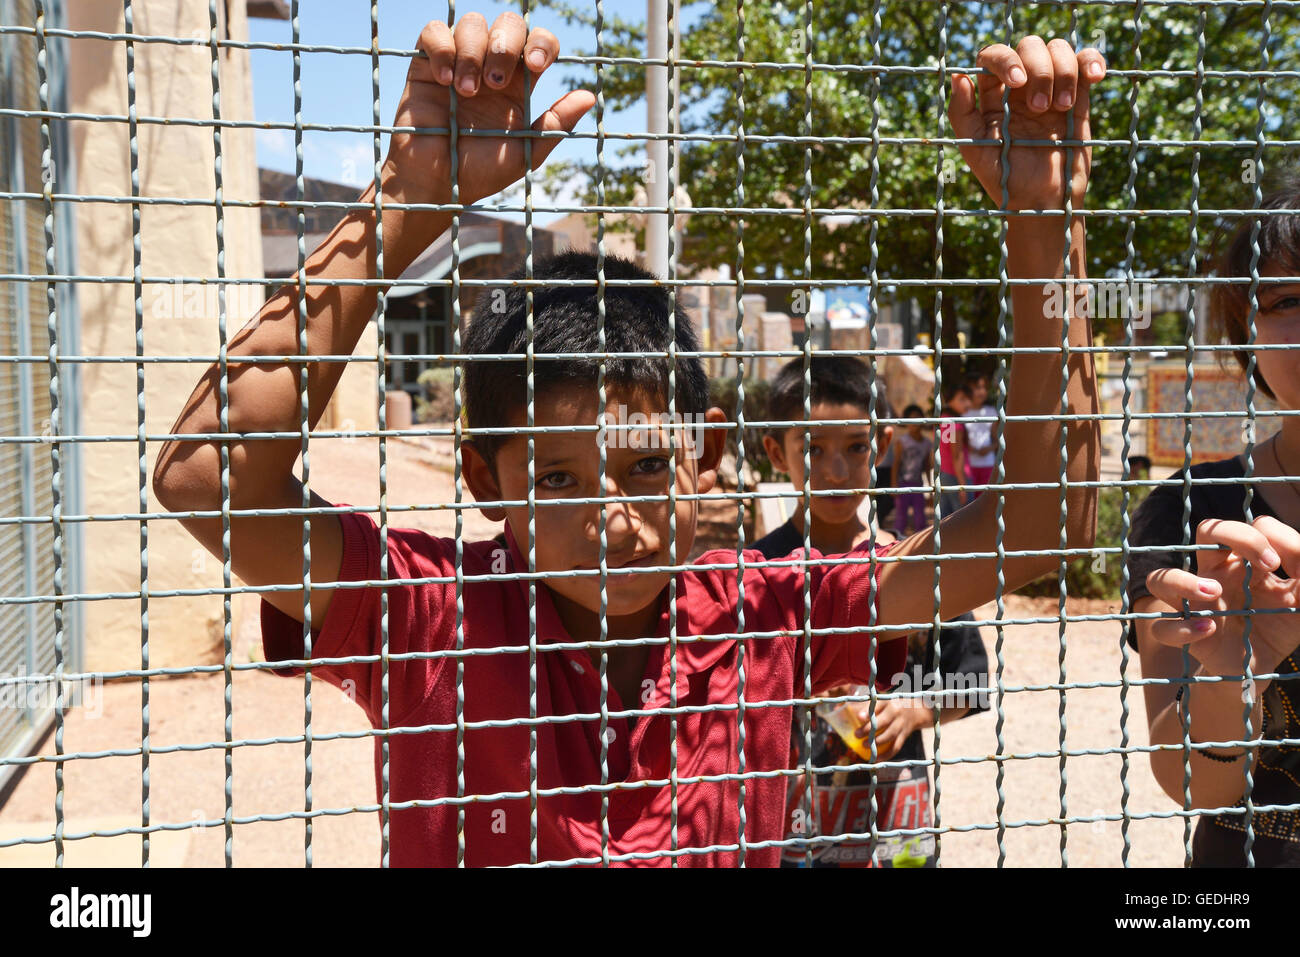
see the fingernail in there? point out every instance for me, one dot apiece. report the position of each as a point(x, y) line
point(467, 84)
point(1270, 558)
point(1202, 625)
point(445, 76)
point(536, 58)
point(1094, 71)
point(1064, 100)
point(1017, 75)
point(497, 77)
point(1039, 102)
point(1206, 589)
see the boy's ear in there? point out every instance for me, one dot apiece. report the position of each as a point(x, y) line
point(883, 440)
point(712, 443)
point(776, 454)
point(482, 481)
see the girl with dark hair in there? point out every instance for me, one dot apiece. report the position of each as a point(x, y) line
point(1263, 251)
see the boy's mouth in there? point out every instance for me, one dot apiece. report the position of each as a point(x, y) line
point(636, 561)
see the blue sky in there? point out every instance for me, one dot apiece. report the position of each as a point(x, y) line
point(337, 88)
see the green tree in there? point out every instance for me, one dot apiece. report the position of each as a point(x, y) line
point(907, 107)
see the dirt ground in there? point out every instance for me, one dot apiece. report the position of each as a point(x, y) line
point(187, 780)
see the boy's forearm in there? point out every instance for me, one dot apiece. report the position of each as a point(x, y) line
point(1036, 249)
point(265, 397)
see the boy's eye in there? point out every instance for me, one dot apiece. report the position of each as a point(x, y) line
point(655, 465)
point(861, 448)
point(554, 480)
point(1284, 305)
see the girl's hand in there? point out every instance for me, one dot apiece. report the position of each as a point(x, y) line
point(1217, 642)
point(489, 70)
point(1043, 80)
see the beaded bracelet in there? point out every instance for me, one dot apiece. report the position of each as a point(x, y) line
point(1205, 752)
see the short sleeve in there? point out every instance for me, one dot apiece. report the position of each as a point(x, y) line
point(1157, 521)
point(353, 625)
point(845, 598)
point(964, 664)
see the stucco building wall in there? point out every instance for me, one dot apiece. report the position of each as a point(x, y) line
point(177, 241)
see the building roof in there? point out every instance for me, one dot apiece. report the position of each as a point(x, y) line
point(479, 234)
point(268, 10)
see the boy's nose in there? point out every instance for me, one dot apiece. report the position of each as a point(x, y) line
point(621, 519)
point(837, 469)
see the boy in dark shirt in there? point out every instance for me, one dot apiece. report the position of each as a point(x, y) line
point(840, 456)
point(522, 694)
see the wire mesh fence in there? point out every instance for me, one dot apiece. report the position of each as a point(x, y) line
point(583, 623)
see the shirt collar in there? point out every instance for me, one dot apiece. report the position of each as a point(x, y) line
point(692, 657)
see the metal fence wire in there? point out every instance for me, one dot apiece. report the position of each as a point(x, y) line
point(1197, 106)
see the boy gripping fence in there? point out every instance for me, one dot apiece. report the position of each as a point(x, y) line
point(563, 765)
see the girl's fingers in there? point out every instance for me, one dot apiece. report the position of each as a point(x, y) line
point(1182, 631)
point(1284, 540)
point(1173, 586)
point(1243, 540)
point(505, 44)
point(471, 36)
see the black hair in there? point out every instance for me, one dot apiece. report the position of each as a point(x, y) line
point(913, 411)
point(564, 321)
point(1279, 244)
point(950, 390)
point(842, 380)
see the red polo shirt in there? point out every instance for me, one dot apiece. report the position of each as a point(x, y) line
point(422, 692)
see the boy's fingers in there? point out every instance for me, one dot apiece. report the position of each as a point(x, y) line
point(435, 40)
point(1092, 69)
point(471, 46)
point(1244, 540)
point(1173, 586)
point(1038, 64)
point(504, 45)
point(564, 114)
point(542, 49)
point(963, 110)
point(1065, 66)
point(1004, 63)
point(1092, 66)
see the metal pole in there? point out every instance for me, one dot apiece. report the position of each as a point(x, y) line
point(655, 174)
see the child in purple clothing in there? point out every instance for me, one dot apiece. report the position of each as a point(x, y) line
point(913, 463)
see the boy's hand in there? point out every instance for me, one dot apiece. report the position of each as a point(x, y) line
point(1044, 81)
point(489, 77)
point(896, 719)
point(1217, 642)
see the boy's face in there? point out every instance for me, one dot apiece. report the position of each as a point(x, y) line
point(840, 457)
point(566, 466)
point(914, 429)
